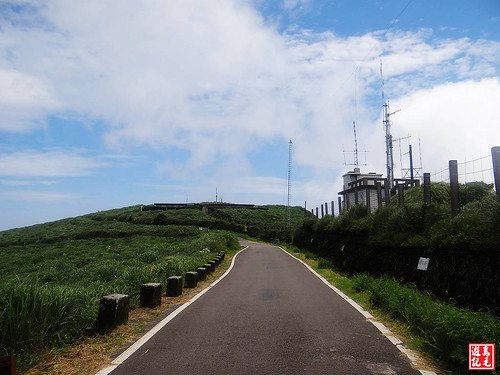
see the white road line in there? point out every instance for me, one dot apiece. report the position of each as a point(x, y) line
point(382, 328)
point(136, 345)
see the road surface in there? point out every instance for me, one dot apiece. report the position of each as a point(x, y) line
point(269, 315)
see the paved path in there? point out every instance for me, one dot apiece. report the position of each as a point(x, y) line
point(269, 315)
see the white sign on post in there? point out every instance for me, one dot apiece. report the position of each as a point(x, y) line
point(423, 263)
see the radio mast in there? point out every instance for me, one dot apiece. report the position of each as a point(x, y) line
point(289, 181)
point(388, 136)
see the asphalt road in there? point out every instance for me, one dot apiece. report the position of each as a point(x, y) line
point(269, 315)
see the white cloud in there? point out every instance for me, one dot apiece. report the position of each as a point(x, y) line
point(37, 196)
point(454, 120)
point(215, 80)
point(24, 101)
point(52, 163)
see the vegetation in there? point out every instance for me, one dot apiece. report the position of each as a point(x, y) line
point(463, 248)
point(476, 227)
point(53, 275)
point(267, 222)
point(444, 329)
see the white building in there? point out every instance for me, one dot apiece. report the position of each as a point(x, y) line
point(371, 189)
point(362, 189)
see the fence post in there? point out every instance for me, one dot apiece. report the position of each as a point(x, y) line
point(368, 203)
point(387, 189)
point(317, 214)
point(333, 209)
point(455, 200)
point(427, 189)
point(340, 204)
point(322, 210)
point(401, 195)
point(326, 209)
point(379, 194)
point(495, 155)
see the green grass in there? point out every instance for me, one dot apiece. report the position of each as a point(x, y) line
point(444, 329)
point(53, 275)
point(438, 328)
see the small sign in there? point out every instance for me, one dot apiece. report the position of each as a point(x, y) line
point(423, 263)
point(482, 356)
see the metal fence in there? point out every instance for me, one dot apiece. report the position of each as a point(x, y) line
point(474, 170)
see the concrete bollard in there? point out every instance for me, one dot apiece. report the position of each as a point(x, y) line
point(213, 265)
point(218, 260)
point(208, 267)
point(151, 295)
point(202, 273)
point(174, 286)
point(113, 311)
point(222, 255)
point(191, 279)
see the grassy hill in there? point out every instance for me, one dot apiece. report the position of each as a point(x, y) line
point(52, 275)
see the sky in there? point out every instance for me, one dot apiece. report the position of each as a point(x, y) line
point(106, 104)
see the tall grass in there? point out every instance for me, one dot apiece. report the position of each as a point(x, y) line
point(49, 292)
point(445, 329)
point(34, 316)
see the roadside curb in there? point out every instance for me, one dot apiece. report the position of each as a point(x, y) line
point(410, 354)
point(149, 334)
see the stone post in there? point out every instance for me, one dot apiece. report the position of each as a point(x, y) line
point(150, 295)
point(191, 279)
point(174, 286)
point(202, 273)
point(113, 311)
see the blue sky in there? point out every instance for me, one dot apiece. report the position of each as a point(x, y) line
point(105, 104)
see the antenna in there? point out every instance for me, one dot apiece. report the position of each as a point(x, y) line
point(401, 152)
point(420, 153)
point(412, 172)
point(355, 151)
point(388, 136)
point(356, 162)
point(382, 80)
point(289, 180)
point(216, 200)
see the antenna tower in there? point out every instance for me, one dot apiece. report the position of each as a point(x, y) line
point(289, 181)
point(355, 151)
point(388, 136)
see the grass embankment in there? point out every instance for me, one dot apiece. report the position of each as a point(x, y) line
point(52, 275)
point(434, 327)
